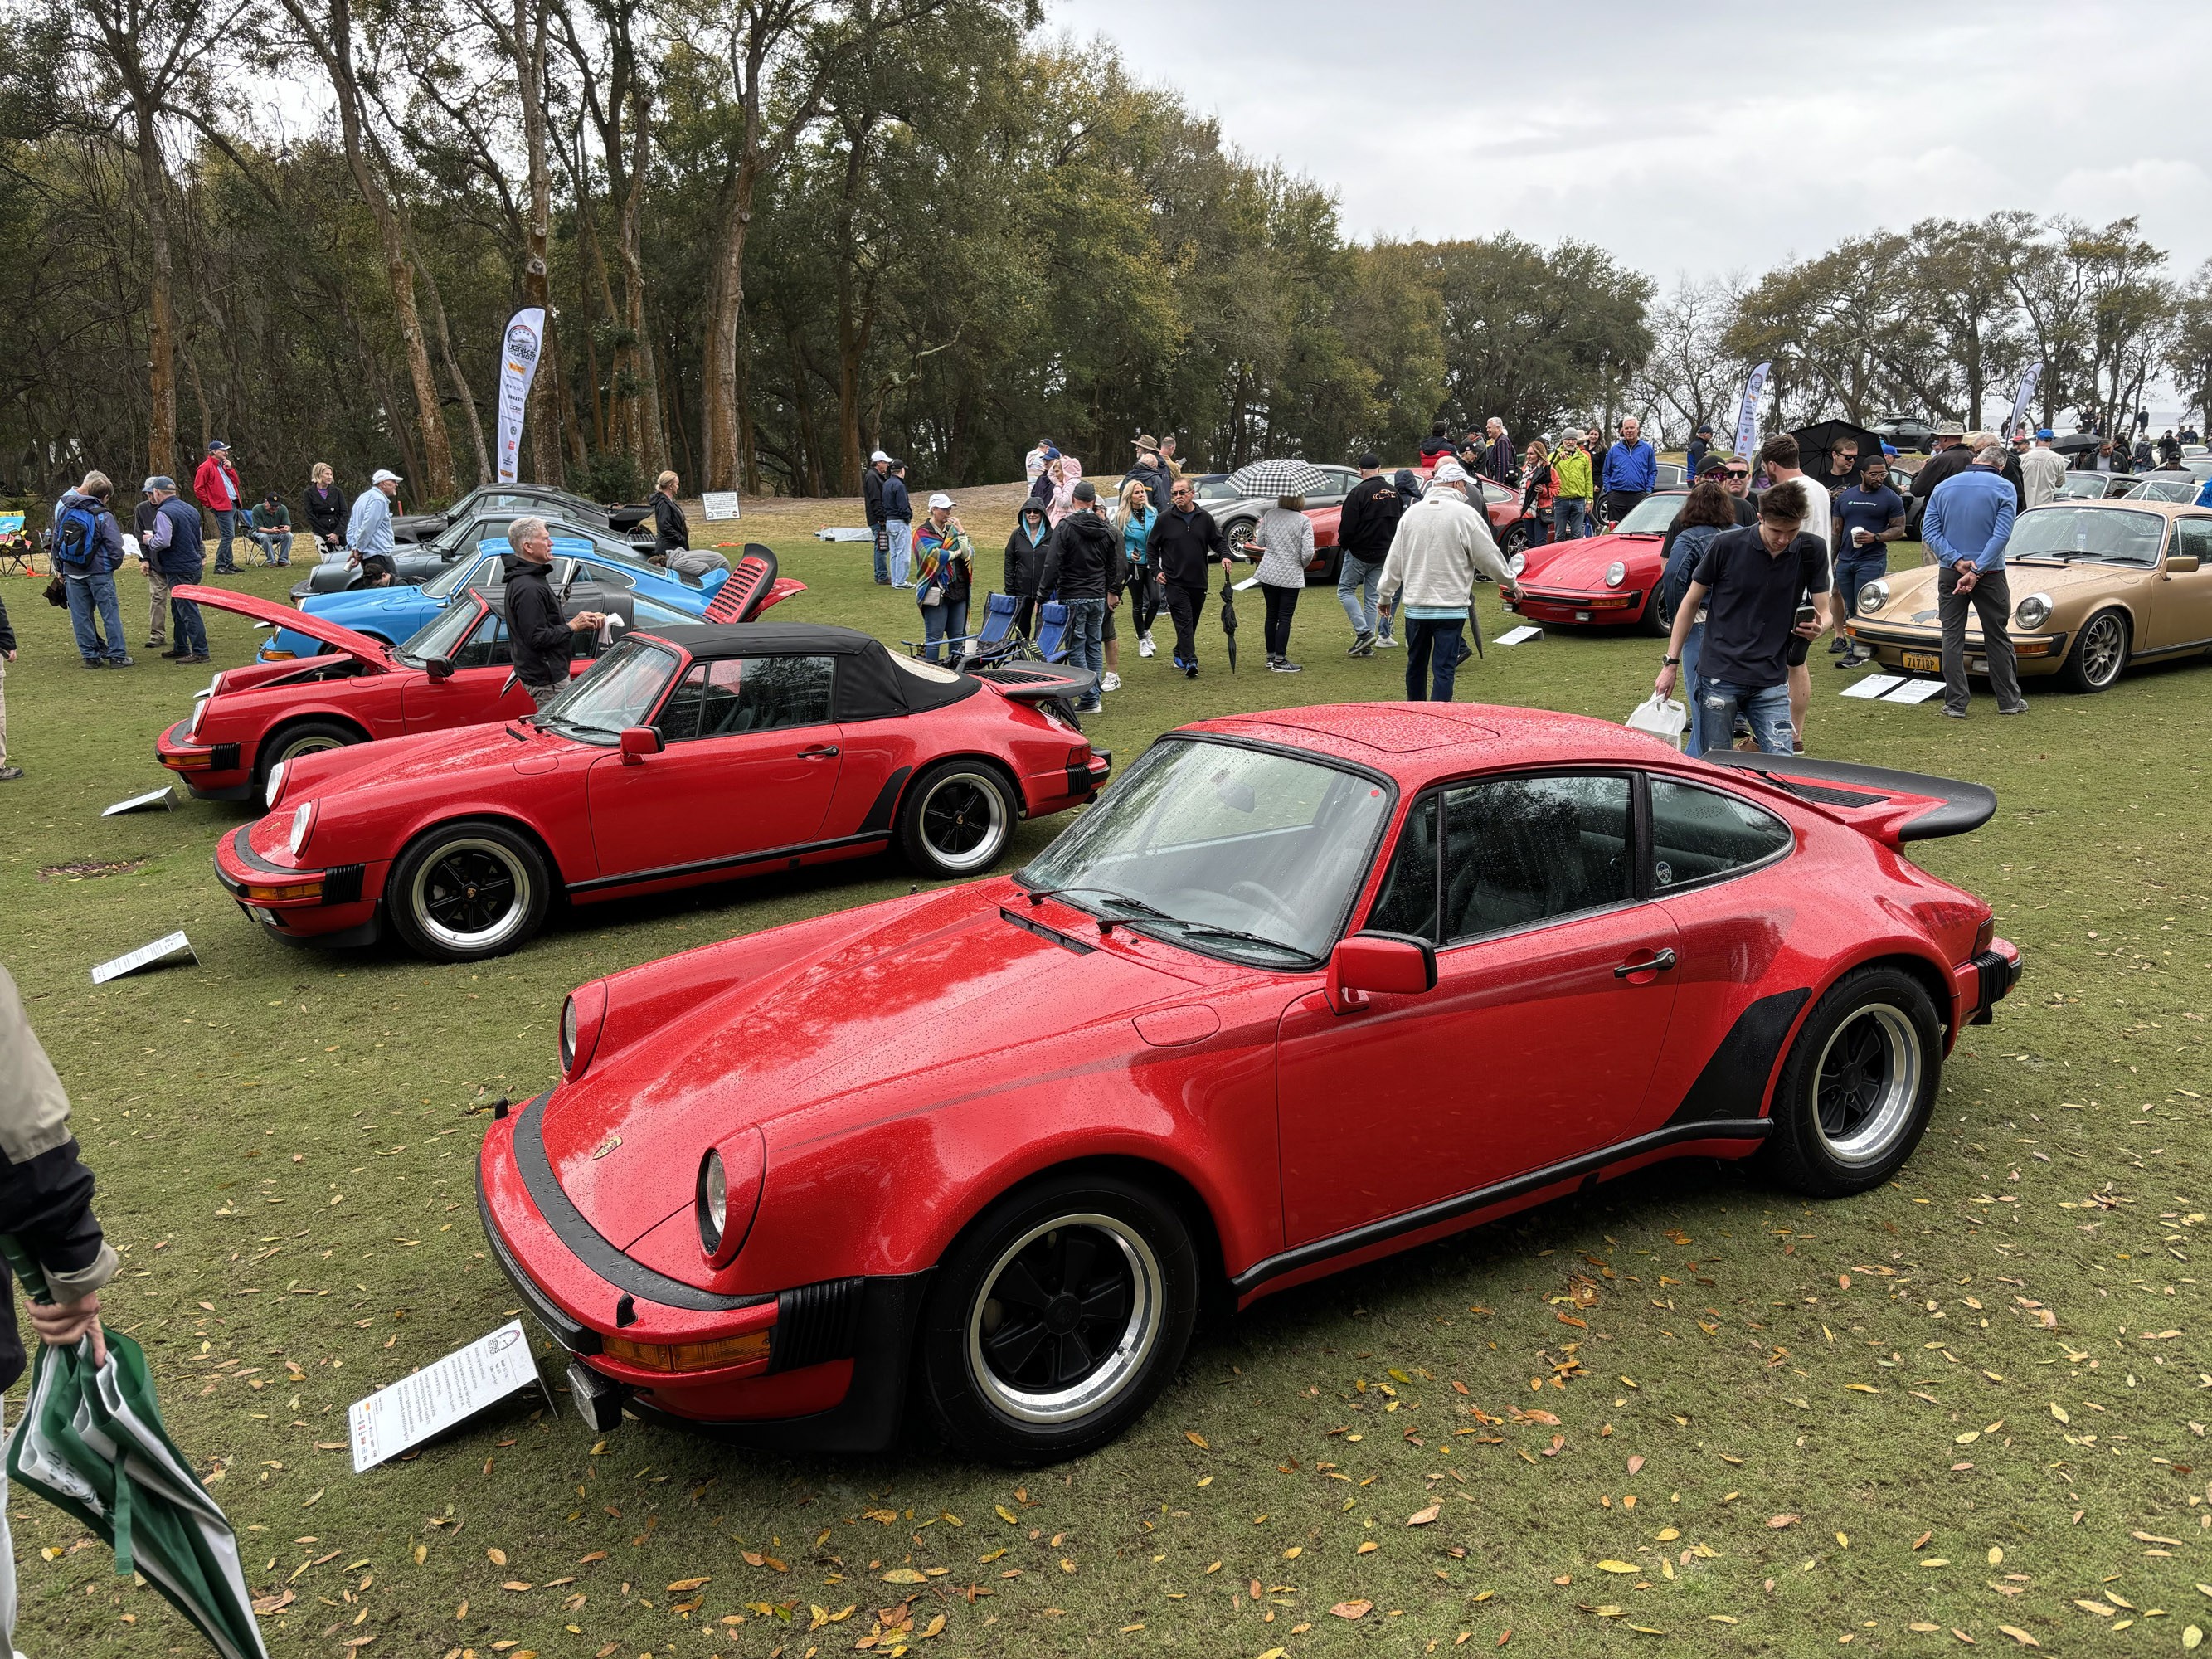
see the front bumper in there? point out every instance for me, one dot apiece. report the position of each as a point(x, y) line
point(212, 771)
point(1610, 608)
point(296, 904)
point(834, 1377)
point(1891, 646)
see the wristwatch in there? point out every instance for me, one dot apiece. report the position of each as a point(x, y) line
point(1671, 662)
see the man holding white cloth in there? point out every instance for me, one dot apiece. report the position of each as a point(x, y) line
point(1440, 545)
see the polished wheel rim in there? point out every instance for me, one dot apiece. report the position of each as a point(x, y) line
point(964, 820)
point(314, 743)
point(1240, 537)
point(472, 894)
point(1866, 1084)
point(2103, 646)
point(1067, 1316)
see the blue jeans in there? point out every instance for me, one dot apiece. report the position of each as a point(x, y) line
point(189, 630)
point(939, 622)
point(1855, 569)
point(883, 541)
point(1355, 591)
point(95, 590)
point(1086, 642)
point(1432, 653)
point(276, 545)
point(900, 535)
point(225, 524)
point(1567, 519)
point(1766, 707)
point(1693, 736)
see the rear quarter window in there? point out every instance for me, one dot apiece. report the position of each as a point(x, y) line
point(1701, 834)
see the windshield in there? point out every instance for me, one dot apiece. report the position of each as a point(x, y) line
point(1215, 489)
point(448, 582)
point(2087, 485)
point(2164, 489)
point(2085, 532)
point(616, 693)
point(442, 637)
point(1650, 516)
point(1205, 843)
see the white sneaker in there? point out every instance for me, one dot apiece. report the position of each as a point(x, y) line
point(1384, 642)
point(1109, 681)
point(1144, 644)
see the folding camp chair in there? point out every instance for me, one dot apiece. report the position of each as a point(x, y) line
point(1049, 643)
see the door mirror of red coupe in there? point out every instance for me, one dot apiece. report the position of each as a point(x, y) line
point(1396, 964)
point(638, 742)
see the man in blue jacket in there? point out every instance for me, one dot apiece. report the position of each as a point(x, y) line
point(174, 547)
point(87, 547)
point(1631, 471)
point(1969, 520)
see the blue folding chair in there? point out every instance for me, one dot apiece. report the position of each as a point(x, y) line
point(1049, 643)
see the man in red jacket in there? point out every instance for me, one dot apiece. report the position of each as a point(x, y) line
point(221, 495)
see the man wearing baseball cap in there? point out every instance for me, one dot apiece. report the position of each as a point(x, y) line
point(1439, 547)
point(1951, 457)
point(1699, 448)
point(2042, 470)
point(872, 503)
point(368, 530)
point(173, 548)
point(221, 493)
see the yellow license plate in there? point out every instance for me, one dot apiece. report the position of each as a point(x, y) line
point(1923, 662)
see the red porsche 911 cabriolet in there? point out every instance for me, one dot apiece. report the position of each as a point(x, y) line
point(682, 756)
point(1305, 987)
point(1605, 581)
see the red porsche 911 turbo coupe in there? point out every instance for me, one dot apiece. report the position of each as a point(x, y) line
point(1010, 1135)
point(1607, 580)
point(683, 755)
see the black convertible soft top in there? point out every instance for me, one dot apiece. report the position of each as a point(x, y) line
point(870, 685)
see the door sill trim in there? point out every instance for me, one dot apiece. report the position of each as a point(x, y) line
point(737, 861)
point(1481, 1197)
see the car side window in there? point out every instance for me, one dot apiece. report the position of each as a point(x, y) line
point(1407, 902)
point(765, 694)
point(485, 647)
point(1522, 850)
point(490, 573)
point(606, 575)
point(679, 716)
point(2194, 536)
point(1704, 835)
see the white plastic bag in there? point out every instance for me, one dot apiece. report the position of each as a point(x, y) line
point(1662, 718)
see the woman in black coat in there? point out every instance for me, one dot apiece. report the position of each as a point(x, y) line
point(672, 531)
point(324, 510)
point(1025, 560)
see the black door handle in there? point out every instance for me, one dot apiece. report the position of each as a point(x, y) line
point(1658, 964)
point(820, 751)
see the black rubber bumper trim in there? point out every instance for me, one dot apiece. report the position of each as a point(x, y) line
point(588, 1243)
point(1998, 975)
point(575, 1337)
point(867, 1419)
point(1463, 1204)
point(817, 1322)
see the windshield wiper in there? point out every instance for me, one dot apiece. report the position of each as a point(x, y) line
point(1038, 895)
point(1212, 931)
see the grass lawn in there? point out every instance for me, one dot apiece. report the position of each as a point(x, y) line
point(1970, 1406)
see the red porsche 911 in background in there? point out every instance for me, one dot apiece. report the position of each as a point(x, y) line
point(1605, 581)
point(1304, 988)
point(683, 756)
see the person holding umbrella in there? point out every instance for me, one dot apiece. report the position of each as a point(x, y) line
point(1440, 545)
point(1285, 537)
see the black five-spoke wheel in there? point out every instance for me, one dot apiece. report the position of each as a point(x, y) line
point(468, 891)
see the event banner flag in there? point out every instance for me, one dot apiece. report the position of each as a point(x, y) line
point(1746, 419)
point(518, 366)
point(2018, 425)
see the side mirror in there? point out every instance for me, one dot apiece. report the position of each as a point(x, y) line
point(638, 742)
point(1398, 965)
point(438, 668)
point(2181, 564)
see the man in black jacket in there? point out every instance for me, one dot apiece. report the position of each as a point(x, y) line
point(872, 497)
point(1151, 472)
point(1083, 570)
point(1364, 525)
point(541, 642)
point(1185, 541)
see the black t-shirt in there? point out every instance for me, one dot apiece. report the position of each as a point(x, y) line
point(1753, 604)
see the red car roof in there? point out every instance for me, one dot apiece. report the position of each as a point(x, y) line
point(1416, 742)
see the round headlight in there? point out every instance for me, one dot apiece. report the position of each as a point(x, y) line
point(275, 789)
point(302, 822)
point(1518, 563)
point(713, 1202)
point(568, 1036)
point(2034, 610)
point(1874, 595)
point(1615, 574)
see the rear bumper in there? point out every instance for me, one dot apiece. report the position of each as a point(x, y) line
point(296, 904)
point(212, 771)
point(834, 1376)
point(1978, 985)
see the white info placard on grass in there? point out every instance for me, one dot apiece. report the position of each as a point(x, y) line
point(440, 1396)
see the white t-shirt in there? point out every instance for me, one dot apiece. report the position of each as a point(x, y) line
point(1821, 521)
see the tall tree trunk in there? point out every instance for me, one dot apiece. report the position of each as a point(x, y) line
point(719, 391)
point(652, 451)
point(468, 396)
point(855, 311)
point(162, 321)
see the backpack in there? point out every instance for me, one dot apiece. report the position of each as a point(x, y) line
point(76, 535)
point(1689, 547)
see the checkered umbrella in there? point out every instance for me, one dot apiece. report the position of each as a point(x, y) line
point(1283, 478)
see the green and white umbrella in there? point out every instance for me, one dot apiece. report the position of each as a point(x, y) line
point(91, 1443)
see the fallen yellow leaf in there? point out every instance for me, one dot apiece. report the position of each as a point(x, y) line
point(1352, 1610)
point(903, 1576)
point(1196, 1439)
point(1422, 1517)
point(1618, 1566)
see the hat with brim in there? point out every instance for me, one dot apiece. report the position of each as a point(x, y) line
point(381, 475)
point(1950, 430)
point(1145, 440)
point(940, 499)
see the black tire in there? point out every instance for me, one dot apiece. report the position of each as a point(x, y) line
point(1515, 539)
point(1237, 532)
point(468, 889)
point(2098, 655)
point(1652, 621)
point(1859, 1085)
point(1104, 1263)
point(955, 819)
point(290, 742)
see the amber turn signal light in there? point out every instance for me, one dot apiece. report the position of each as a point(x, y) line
point(688, 1356)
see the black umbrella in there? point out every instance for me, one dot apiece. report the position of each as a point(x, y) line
point(1814, 441)
point(2073, 443)
point(1229, 614)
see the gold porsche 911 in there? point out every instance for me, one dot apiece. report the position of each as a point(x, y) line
point(2095, 586)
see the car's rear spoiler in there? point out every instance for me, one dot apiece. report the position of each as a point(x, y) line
point(1039, 682)
point(1890, 806)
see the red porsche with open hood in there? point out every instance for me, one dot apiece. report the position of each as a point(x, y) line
point(1302, 988)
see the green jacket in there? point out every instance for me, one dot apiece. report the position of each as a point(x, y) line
point(1573, 470)
point(278, 517)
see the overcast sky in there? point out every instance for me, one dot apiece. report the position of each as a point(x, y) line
point(1699, 135)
